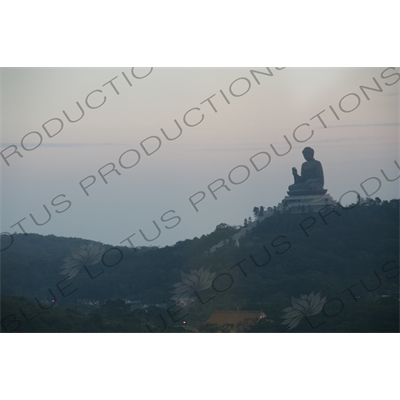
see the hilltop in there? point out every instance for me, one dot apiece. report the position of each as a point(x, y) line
point(348, 255)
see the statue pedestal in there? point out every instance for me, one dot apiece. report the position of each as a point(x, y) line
point(305, 203)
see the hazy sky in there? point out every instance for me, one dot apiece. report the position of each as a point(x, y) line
point(262, 110)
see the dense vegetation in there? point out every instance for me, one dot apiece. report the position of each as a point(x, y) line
point(350, 256)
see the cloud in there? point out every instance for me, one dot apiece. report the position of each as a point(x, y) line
point(65, 144)
point(388, 124)
point(225, 149)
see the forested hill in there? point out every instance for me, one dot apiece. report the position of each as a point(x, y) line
point(348, 255)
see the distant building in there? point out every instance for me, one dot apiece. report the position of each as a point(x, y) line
point(235, 319)
point(89, 302)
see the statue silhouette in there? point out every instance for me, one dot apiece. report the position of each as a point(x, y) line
point(311, 180)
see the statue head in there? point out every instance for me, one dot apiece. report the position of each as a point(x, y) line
point(308, 153)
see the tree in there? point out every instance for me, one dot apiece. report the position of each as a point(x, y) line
point(223, 226)
point(227, 328)
point(256, 212)
point(209, 328)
